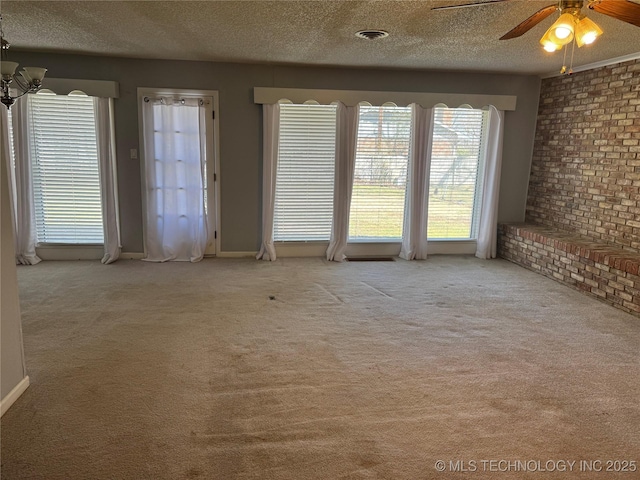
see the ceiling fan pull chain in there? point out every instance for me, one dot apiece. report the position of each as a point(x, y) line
point(573, 49)
point(563, 70)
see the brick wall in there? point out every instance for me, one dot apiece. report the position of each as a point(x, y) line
point(600, 270)
point(585, 174)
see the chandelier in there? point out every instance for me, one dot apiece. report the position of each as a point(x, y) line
point(29, 80)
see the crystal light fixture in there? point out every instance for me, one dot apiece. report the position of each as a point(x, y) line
point(29, 80)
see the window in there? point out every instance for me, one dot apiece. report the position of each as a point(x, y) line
point(457, 166)
point(66, 179)
point(305, 176)
point(380, 177)
point(306, 165)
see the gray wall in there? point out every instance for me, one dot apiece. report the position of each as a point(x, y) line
point(240, 124)
point(12, 359)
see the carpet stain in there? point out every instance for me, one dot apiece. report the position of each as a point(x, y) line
point(194, 473)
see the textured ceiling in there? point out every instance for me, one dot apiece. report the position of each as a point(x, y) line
point(307, 32)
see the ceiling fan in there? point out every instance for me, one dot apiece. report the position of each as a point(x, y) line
point(572, 22)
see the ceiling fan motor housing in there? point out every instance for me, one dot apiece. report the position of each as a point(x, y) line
point(571, 6)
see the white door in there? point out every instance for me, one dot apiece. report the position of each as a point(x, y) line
point(178, 172)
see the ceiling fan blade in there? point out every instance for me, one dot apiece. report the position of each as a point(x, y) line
point(621, 9)
point(465, 5)
point(530, 22)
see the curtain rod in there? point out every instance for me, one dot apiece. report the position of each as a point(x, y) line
point(178, 100)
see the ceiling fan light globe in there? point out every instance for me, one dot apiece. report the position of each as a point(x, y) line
point(562, 32)
point(550, 42)
point(550, 47)
point(561, 41)
point(587, 31)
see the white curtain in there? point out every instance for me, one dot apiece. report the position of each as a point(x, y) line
point(346, 143)
point(108, 184)
point(488, 226)
point(270, 146)
point(174, 152)
point(414, 232)
point(25, 218)
point(6, 163)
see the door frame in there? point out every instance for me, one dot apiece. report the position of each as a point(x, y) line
point(212, 137)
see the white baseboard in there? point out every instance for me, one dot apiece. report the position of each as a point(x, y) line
point(456, 247)
point(131, 256)
point(319, 249)
point(70, 252)
point(385, 249)
point(140, 256)
point(301, 249)
point(373, 249)
point(13, 395)
point(236, 254)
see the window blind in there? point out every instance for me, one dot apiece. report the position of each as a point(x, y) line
point(457, 166)
point(305, 175)
point(66, 180)
point(380, 177)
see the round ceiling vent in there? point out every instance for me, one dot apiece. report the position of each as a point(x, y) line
point(372, 34)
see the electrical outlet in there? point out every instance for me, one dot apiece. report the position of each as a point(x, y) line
point(134, 153)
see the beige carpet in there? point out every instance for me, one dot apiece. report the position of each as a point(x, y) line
point(352, 371)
